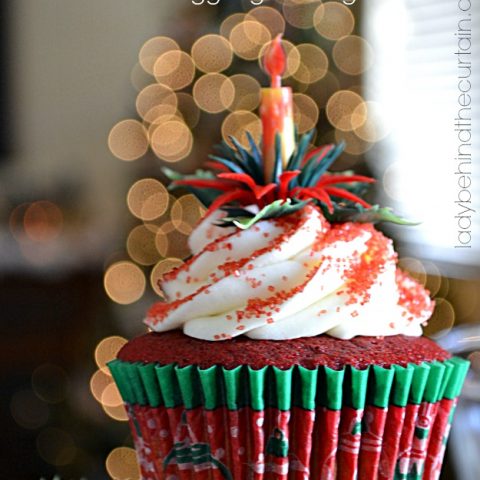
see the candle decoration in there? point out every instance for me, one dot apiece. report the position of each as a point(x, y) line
point(276, 109)
point(281, 174)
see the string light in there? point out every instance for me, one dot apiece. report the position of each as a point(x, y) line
point(147, 199)
point(214, 92)
point(333, 20)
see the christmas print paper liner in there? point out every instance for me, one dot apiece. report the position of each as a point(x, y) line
point(273, 424)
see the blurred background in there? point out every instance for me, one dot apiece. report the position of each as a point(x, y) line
point(96, 96)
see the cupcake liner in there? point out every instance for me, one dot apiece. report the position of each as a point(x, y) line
point(273, 424)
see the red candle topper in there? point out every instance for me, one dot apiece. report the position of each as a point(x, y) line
point(275, 62)
point(276, 109)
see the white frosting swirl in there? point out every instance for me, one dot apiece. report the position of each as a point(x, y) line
point(290, 277)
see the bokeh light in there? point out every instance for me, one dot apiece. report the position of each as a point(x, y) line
point(375, 125)
point(186, 213)
point(56, 446)
point(121, 464)
point(213, 92)
point(269, 17)
point(246, 92)
point(152, 49)
point(212, 53)
point(442, 320)
point(346, 110)
point(248, 38)
point(160, 269)
point(107, 350)
point(28, 410)
point(352, 55)
point(414, 268)
point(172, 141)
point(50, 383)
point(171, 242)
point(98, 382)
point(313, 63)
point(124, 282)
point(117, 413)
point(230, 23)
point(305, 112)
point(353, 144)
point(237, 123)
point(333, 20)
point(152, 96)
point(147, 199)
point(141, 245)
point(175, 69)
point(42, 221)
point(128, 140)
point(300, 13)
point(111, 396)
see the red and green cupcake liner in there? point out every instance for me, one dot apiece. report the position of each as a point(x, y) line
point(273, 424)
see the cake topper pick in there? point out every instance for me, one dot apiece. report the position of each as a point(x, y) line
point(283, 173)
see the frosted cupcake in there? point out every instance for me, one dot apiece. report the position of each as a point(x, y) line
point(289, 345)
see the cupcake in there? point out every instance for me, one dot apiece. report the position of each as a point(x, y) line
point(290, 344)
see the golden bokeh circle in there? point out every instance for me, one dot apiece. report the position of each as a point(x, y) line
point(152, 96)
point(124, 282)
point(305, 112)
point(236, 124)
point(230, 23)
point(141, 246)
point(313, 63)
point(147, 199)
point(247, 39)
point(434, 277)
point(98, 382)
point(171, 242)
point(107, 350)
point(160, 114)
point(375, 125)
point(300, 14)
point(175, 69)
point(117, 413)
point(172, 141)
point(352, 55)
point(121, 464)
point(186, 212)
point(269, 17)
point(154, 48)
point(139, 78)
point(442, 320)
point(247, 92)
point(344, 110)
point(128, 140)
point(212, 53)
point(333, 20)
point(213, 92)
point(111, 396)
point(160, 269)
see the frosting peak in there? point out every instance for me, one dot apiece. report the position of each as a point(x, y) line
point(290, 277)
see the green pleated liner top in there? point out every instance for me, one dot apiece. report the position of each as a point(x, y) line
point(362, 419)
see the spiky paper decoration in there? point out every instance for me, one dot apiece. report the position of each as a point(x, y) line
point(236, 180)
